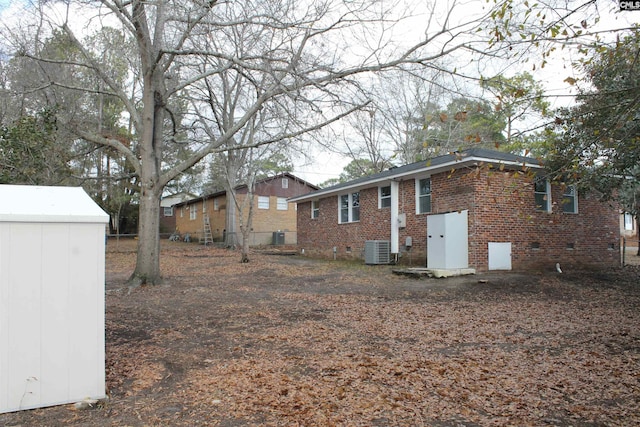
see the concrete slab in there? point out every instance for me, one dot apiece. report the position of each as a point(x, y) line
point(431, 272)
point(438, 273)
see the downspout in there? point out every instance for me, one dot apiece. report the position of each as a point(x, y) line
point(395, 229)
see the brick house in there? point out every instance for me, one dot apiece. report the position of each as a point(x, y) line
point(167, 216)
point(272, 213)
point(477, 208)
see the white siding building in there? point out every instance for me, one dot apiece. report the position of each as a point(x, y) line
point(52, 304)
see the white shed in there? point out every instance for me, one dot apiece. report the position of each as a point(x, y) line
point(52, 305)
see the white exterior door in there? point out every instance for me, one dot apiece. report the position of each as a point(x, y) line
point(499, 256)
point(448, 241)
point(435, 241)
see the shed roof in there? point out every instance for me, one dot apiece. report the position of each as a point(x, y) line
point(32, 203)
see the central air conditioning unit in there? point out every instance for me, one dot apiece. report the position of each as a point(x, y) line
point(377, 252)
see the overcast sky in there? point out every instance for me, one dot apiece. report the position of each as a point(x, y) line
point(329, 165)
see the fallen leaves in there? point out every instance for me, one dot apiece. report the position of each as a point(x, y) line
point(292, 341)
point(488, 361)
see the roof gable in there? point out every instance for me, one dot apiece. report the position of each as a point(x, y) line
point(243, 187)
point(280, 176)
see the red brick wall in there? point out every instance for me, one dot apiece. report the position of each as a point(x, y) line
point(274, 187)
point(505, 212)
point(501, 209)
point(167, 223)
point(448, 193)
point(320, 235)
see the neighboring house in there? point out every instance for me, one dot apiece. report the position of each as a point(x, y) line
point(167, 214)
point(272, 213)
point(476, 208)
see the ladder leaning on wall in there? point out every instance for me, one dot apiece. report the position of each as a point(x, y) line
point(208, 237)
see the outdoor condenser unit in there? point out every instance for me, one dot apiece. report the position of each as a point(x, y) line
point(377, 252)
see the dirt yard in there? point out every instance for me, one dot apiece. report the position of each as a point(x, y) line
point(288, 341)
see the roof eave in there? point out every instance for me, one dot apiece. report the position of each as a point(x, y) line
point(430, 170)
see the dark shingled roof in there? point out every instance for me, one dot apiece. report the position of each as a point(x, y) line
point(267, 179)
point(461, 157)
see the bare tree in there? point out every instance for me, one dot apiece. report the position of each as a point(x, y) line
point(409, 116)
point(220, 100)
point(316, 50)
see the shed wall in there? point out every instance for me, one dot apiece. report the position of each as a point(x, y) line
point(52, 344)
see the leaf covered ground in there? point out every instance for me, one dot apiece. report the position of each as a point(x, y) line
point(289, 341)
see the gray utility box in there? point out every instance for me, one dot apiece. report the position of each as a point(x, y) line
point(377, 252)
point(278, 238)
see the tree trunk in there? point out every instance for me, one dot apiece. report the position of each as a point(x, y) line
point(638, 232)
point(245, 244)
point(148, 258)
point(230, 182)
point(231, 239)
point(246, 228)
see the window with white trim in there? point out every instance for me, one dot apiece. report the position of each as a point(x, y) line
point(282, 204)
point(216, 206)
point(263, 202)
point(542, 190)
point(285, 182)
point(204, 206)
point(193, 212)
point(384, 197)
point(349, 205)
point(423, 195)
point(315, 209)
point(570, 199)
point(628, 221)
point(182, 212)
point(168, 211)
